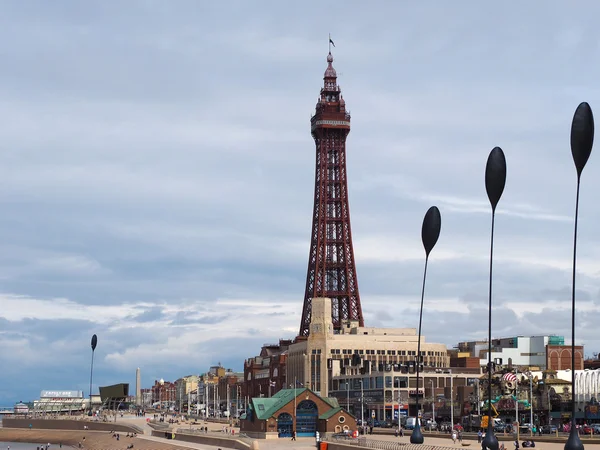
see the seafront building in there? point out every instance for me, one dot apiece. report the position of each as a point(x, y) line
point(378, 361)
point(546, 352)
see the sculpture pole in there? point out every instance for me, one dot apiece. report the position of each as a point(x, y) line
point(582, 140)
point(495, 179)
point(94, 343)
point(430, 232)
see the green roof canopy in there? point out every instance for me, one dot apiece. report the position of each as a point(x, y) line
point(266, 407)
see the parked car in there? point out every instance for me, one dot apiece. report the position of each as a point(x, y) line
point(549, 429)
point(500, 427)
point(431, 425)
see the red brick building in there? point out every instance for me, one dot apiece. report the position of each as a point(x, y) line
point(558, 357)
point(265, 374)
point(295, 409)
point(164, 393)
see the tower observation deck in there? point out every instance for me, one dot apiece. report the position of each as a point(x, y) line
point(331, 268)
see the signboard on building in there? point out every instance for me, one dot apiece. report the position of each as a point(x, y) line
point(263, 373)
point(61, 394)
point(368, 396)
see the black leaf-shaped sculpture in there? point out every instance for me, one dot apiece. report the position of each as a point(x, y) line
point(495, 180)
point(94, 343)
point(582, 140)
point(582, 136)
point(495, 176)
point(430, 232)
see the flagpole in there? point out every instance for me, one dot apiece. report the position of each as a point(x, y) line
point(329, 42)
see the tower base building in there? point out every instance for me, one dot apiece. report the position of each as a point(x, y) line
point(324, 354)
point(371, 368)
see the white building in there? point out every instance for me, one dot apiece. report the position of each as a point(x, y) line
point(521, 351)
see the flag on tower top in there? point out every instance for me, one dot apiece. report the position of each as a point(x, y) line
point(331, 41)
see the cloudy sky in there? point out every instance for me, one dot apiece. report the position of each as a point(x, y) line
point(157, 169)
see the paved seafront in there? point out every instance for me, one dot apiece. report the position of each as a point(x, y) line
point(102, 440)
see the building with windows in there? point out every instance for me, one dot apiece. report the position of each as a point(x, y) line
point(392, 393)
point(544, 352)
point(62, 401)
point(164, 394)
point(184, 387)
point(323, 356)
point(265, 374)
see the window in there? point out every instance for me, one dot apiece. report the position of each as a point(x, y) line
point(400, 382)
point(261, 407)
point(388, 382)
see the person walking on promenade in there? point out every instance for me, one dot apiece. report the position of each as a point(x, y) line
point(293, 435)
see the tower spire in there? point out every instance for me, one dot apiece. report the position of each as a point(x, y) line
point(331, 270)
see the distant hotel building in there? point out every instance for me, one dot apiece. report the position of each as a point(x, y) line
point(544, 352)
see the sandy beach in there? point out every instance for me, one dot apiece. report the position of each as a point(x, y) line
point(94, 440)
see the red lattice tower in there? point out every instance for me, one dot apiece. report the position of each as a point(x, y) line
point(331, 269)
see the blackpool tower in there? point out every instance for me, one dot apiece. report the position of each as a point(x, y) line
point(331, 269)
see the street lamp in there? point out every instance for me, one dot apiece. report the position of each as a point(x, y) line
point(582, 139)
point(94, 343)
point(495, 180)
point(528, 375)
point(478, 400)
point(430, 232)
point(347, 395)
point(362, 406)
point(432, 405)
point(451, 400)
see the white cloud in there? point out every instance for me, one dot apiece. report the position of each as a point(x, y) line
point(155, 185)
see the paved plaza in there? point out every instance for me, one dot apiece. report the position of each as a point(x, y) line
point(309, 443)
